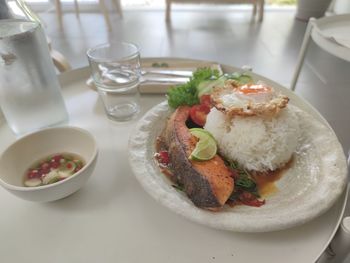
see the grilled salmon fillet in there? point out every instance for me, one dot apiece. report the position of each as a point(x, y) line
point(207, 183)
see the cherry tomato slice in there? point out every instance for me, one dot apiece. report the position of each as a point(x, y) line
point(198, 114)
point(205, 100)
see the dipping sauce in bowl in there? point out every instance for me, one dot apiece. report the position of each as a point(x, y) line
point(62, 146)
point(52, 169)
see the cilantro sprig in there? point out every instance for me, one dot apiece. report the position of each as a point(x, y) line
point(187, 94)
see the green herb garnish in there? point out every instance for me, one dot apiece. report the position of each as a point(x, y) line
point(178, 187)
point(240, 78)
point(244, 182)
point(187, 94)
point(233, 165)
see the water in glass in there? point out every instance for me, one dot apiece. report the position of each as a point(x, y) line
point(116, 72)
point(118, 88)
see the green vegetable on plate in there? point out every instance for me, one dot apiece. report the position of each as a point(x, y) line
point(187, 94)
point(202, 82)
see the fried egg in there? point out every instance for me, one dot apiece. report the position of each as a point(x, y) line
point(248, 100)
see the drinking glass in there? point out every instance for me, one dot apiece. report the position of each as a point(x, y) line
point(116, 72)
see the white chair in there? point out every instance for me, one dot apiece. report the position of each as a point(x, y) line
point(59, 61)
point(103, 9)
point(327, 34)
point(257, 4)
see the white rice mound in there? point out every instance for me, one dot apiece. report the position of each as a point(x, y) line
point(256, 143)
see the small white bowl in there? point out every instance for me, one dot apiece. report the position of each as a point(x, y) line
point(24, 152)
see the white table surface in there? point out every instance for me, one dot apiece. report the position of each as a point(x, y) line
point(112, 219)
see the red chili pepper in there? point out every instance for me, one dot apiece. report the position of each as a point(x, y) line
point(44, 171)
point(33, 174)
point(234, 174)
point(246, 196)
point(256, 202)
point(57, 158)
point(45, 166)
point(164, 157)
point(54, 165)
point(249, 199)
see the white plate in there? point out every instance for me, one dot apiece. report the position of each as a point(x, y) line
point(306, 190)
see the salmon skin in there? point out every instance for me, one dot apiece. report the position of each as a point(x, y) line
point(207, 183)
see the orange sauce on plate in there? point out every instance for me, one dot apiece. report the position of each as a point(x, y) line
point(266, 181)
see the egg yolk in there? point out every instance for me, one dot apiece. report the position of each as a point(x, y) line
point(254, 89)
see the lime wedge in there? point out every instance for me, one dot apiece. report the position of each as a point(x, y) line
point(206, 146)
point(198, 132)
